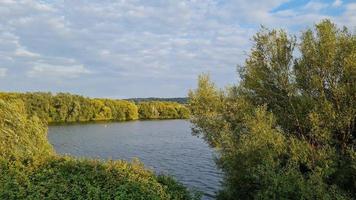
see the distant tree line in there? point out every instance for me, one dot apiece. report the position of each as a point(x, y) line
point(162, 110)
point(181, 100)
point(65, 107)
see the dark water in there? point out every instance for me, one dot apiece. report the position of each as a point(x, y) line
point(166, 146)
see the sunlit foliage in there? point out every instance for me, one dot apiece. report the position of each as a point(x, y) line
point(20, 136)
point(162, 110)
point(67, 178)
point(64, 107)
point(288, 129)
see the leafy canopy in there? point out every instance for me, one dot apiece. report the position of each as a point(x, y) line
point(287, 129)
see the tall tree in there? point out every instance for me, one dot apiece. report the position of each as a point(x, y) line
point(287, 130)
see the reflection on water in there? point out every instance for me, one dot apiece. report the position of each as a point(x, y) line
point(166, 146)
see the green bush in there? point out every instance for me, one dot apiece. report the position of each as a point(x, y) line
point(177, 190)
point(68, 178)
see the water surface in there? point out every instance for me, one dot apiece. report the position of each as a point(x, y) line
point(166, 146)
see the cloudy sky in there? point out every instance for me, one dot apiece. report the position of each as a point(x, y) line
point(140, 48)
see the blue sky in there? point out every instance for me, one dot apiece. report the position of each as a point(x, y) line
point(141, 48)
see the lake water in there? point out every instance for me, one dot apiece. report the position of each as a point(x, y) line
point(165, 146)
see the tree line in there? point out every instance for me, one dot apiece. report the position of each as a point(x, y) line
point(65, 107)
point(287, 130)
point(162, 110)
point(181, 100)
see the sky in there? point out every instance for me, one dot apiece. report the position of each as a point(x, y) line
point(141, 48)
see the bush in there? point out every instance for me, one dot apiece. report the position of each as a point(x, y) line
point(68, 178)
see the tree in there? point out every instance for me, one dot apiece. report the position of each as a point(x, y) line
point(21, 136)
point(287, 130)
point(64, 107)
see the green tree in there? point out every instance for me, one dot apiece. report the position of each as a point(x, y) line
point(287, 130)
point(148, 110)
point(183, 112)
point(21, 136)
point(131, 111)
point(64, 107)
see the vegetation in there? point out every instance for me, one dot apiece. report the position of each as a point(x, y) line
point(64, 107)
point(29, 168)
point(21, 136)
point(162, 110)
point(181, 100)
point(287, 130)
point(68, 178)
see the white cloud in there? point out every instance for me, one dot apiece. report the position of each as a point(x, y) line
point(140, 41)
point(3, 72)
point(25, 53)
point(337, 3)
point(315, 6)
point(47, 70)
point(348, 18)
point(42, 7)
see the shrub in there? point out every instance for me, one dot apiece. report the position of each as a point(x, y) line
point(68, 178)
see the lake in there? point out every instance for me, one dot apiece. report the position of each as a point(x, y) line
point(166, 146)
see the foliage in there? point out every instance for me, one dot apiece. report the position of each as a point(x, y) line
point(176, 189)
point(67, 178)
point(21, 137)
point(287, 130)
point(29, 169)
point(181, 100)
point(64, 107)
point(162, 110)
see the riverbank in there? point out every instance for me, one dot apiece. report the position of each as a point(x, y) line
point(29, 168)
